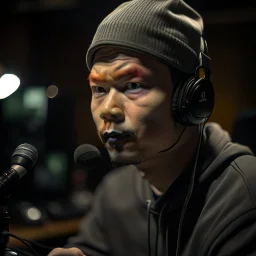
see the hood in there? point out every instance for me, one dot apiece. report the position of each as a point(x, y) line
point(216, 153)
point(217, 150)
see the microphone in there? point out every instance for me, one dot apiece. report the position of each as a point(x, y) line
point(23, 159)
point(87, 155)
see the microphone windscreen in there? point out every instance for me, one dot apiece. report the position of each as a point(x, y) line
point(87, 155)
point(25, 155)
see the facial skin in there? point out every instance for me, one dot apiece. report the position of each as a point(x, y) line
point(131, 97)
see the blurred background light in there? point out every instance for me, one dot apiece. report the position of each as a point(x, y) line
point(9, 83)
point(52, 91)
point(33, 213)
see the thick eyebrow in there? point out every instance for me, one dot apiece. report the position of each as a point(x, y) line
point(119, 73)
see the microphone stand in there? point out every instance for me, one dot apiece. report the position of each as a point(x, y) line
point(4, 223)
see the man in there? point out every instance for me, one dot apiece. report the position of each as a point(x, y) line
point(186, 189)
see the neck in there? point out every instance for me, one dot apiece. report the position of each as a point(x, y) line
point(163, 170)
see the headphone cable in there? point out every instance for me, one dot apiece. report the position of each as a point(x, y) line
point(190, 189)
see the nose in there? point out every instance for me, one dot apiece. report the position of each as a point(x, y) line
point(112, 110)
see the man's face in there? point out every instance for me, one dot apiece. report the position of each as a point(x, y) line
point(131, 99)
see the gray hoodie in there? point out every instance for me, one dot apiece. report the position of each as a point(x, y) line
point(127, 219)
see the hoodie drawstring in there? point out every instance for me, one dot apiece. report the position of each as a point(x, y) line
point(159, 228)
point(149, 211)
point(148, 215)
point(166, 241)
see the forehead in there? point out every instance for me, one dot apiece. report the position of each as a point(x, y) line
point(112, 63)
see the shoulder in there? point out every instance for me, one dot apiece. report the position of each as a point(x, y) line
point(229, 210)
point(245, 167)
point(245, 164)
point(235, 188)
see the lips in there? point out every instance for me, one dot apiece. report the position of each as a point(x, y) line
point(115, 136)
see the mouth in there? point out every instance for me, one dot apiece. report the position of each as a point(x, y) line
point(117, 136)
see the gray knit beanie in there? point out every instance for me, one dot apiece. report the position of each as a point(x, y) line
point(170, 30)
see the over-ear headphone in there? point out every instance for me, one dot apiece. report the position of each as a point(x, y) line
point(193, 100)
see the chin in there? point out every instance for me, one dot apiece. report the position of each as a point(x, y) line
point(124, 158)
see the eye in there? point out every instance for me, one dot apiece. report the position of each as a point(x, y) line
point(98, 90)
point(133, 87)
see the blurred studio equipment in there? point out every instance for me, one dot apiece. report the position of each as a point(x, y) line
point(43, 116)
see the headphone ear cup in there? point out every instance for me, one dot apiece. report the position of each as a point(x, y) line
point(179, 96)
point(200, 101)
point(193, 101)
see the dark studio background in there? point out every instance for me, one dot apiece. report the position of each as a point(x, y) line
point(44, 43)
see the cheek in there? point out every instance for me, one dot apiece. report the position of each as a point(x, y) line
point(157, 108)
point(155, 117)
point(96, 120)
point(95, 115)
